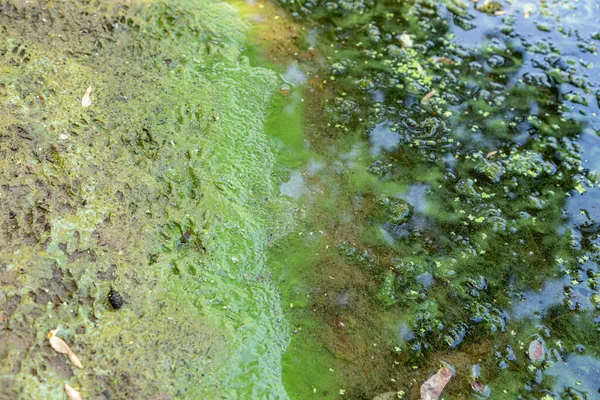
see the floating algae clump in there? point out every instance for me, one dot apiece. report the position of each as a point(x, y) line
point(490, 112)
point(158, 193)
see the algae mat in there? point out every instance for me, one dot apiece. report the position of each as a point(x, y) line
point(137, 225)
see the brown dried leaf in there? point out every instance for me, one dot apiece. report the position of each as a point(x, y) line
point(536, 350)
point(72, 393)
point(86, 101)
point(444, 60)
point(433, 387)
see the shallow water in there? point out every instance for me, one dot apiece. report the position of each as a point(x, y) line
point(453, 230)
point(332, 201)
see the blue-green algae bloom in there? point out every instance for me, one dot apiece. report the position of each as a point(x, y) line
point(137, 225)
point(337, 201)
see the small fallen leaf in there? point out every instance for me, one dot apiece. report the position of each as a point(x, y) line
point(477, 386)
point(444, 60)
point(528, 9)
point(86, 101)
point(57, 343)
point(61, 347)
point(72, 393)
point(406, 40)
point(74, 359)
point(427, 97)
point(433, 387)
point(536, 350)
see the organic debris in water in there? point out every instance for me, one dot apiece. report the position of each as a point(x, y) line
point(433, 387)
point(528, 9)
point(427, 97)
point(476, 384)
point(72, 393)
point(536, 350)
point(61, 347)
point(406, 40)
point(285, 89)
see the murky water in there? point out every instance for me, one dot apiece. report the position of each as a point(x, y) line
point(364, 193)
point(453, 214)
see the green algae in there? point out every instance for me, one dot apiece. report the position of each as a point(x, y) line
point(161, 190)
point(492, 165)
point(423, 224)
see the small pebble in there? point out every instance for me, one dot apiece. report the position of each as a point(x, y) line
point(115, 300)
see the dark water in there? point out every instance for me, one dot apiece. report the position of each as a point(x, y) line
point(446, 180)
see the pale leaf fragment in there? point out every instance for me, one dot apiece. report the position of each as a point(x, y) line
point(75, 360)
point(72, 393)
point(406, 40)
point(433, 387)
point(491, 154)
point(427, 97)
point(528, 9)
point(57, 343)
point(61, 347)
point(86, 101)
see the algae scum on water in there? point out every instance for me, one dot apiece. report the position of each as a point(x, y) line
point(137, 225)
point(459, 169)
point(436, 210)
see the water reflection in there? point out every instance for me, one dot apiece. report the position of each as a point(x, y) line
point(382, 137)
point(295, 187)
point(577, 373)
point(471, 182)
point(534, 304)
point(294, 75)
